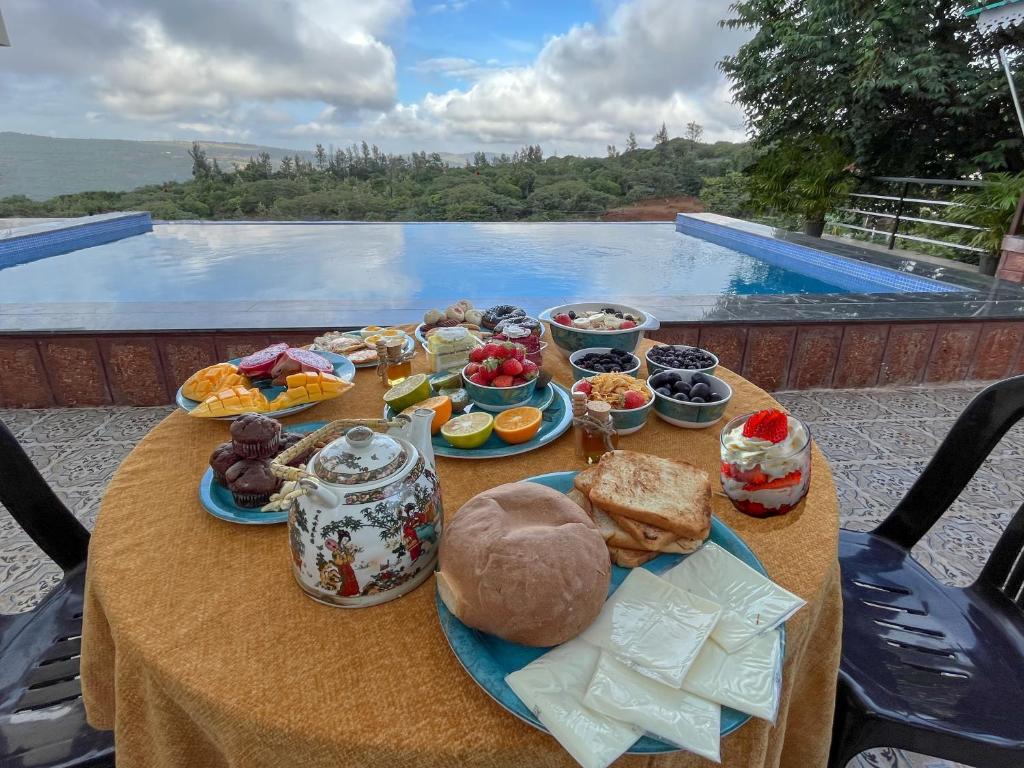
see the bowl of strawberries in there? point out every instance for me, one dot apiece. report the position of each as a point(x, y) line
point(499, 376)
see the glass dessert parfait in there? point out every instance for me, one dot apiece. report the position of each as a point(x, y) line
point(766, 462)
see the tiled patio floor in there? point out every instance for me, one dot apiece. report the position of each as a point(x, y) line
point(877, 441)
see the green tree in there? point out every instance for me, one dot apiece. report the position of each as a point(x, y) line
point(320, 154)
point(728, 195)
point(661, 137)
point(907, 87)
point(694, 132)
point(631, 145)
point(200, 163)
point(804, 176)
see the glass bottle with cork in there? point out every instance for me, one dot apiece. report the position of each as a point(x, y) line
point(593, 430)
point(398, 363)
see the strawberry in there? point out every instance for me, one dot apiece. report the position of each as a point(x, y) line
point(511, 367)
point(472, 368)
point(502, 381)
point(518, 352)
point(529, 367)
point(793, 478)
point(633, 400)
point(563, 319)
point(480, 379)
point(771, 425)
point(489, 368)
point(506, 350)
point(626, 324)
point(477, 355)
point(584, 386)
point(491, 349)
point(518, 380)
point(726, 469)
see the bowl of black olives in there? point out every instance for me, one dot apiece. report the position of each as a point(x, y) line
point(689, 399)
point(587, 362)
point(680, 357)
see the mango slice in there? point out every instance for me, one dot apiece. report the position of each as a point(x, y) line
point(203, 383)
point(231, 401)
point(309, 387)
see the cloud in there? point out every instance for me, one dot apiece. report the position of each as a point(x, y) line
point(455, 67)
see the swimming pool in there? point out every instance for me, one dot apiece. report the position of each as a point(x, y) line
point(425, 264)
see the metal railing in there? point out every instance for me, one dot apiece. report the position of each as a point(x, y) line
point(873, 219)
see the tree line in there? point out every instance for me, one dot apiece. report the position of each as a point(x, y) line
point(362, 182)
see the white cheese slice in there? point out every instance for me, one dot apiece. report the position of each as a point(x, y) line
point(553, 687)
point(677, 717)
point(751, 603)
point(748, 680)
point(654, 627)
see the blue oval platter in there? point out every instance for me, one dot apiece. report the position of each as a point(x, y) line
point(488, 659)
point(343, 369)
point(554, 400)
point(219, 502)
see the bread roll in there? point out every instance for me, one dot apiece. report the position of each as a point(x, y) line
point(522, 562)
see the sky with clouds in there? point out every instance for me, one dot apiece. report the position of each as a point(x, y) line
point(445, 75)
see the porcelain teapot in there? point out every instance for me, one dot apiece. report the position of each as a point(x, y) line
point(364, 514)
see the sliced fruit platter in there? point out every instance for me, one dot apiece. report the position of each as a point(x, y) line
point(276, 381)
point(526, 415)
point(360, 346)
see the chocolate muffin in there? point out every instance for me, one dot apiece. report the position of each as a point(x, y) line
point(251, 482)
point(221, 460)
point(255, 436)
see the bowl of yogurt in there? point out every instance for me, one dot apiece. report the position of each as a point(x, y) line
point(766, 462)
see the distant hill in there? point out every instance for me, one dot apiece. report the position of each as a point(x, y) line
point(41, 167)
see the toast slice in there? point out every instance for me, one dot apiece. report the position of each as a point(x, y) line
point(653, 538)
point(576, 496)
point(584, 480)
point(630, 558)
point(671, 495)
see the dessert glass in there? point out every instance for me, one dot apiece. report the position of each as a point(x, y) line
point(762, 478)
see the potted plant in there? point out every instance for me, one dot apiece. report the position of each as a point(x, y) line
point(807, 177)
point(990, 207)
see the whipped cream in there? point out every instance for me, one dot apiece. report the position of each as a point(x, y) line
point(775, 459)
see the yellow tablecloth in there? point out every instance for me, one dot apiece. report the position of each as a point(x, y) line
point(200, 650)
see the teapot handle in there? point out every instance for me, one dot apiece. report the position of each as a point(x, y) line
point(326, 497)
point(318, 439)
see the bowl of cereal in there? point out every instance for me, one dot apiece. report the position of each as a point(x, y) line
point(631, 398)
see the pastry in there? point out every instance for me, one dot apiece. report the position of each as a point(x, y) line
point(363, 356)
point(255, 436)
point(533, 326)
point(251, 482)
point(522, 562)
point(495, 315)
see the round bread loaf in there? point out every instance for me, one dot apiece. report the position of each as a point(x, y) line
point(522, 562)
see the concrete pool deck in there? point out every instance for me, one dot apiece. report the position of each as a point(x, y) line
point(877, 442)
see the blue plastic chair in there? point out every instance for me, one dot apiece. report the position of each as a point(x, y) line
point(927, 667)
point(42, 718)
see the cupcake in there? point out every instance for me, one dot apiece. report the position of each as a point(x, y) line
point(255, 436)
point(221, 460)
point(251, 482)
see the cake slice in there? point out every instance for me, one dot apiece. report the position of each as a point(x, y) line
point(671, 495)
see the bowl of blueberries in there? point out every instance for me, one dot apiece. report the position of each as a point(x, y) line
point(679, 356)
point(587, 362)
point(689, 399)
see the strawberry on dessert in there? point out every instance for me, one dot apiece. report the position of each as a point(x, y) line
point(766, 462)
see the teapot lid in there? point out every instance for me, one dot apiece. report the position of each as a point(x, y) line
point(361, 456)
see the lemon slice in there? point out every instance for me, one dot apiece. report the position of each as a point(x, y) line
point(408, 392)
point(470, 430)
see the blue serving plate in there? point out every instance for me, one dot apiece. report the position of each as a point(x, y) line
point(407, 347)
point(488, 659)
point(219, 502)
point(553, 399)
point(343, 369)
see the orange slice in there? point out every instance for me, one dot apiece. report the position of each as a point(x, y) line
point(518, 425)
point(440, 405)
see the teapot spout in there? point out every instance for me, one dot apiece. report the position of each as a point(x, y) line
point(418, 433)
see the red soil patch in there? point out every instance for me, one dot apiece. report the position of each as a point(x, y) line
point(655, 209)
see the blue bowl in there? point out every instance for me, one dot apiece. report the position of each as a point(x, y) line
point(569, 339)
point(628, 421)
point(582, 373)
point(496, 399)
point(691, 415)
point(653, 367)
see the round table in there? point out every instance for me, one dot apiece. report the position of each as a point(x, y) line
point(200, 650)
